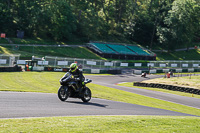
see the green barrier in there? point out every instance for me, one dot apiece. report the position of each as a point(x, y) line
point(173, 70)
point(159, 71)
point(197, 70)
point(131, 64)
point(103, 71)
point(144, 64)
point(147, 71)
point(86, 70)
point(185, 70)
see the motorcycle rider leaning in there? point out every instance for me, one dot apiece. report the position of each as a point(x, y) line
point(77, 75)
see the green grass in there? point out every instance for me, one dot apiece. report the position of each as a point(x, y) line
point(187, 81)
point(44, 41)
point(39, 51)
point(48, 82)
point(29, 51)
point(35, 41)
point(102, 124)
point(3, 41)
point(179, 55)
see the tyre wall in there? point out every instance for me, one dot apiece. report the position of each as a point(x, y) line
point(11, 69)
point(169, 87)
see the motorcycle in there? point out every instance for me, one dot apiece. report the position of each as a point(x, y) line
point(69, 88)
point(143, 75)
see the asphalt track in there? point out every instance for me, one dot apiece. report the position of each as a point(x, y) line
point(25, 104)
point(112, 81)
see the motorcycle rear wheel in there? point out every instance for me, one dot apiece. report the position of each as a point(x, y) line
point(63, 93)
point(86, 95)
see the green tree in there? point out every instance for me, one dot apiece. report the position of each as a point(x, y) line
point(62, 21)
point(181, 24)
point(6, 20)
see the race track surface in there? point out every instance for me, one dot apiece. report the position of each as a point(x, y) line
point(25, 104)
point(22, 105)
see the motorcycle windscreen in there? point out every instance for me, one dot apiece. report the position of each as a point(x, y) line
point(66, 77)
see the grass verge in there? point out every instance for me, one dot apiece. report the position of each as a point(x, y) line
point(187, 81)
point(108, 124)
point(46, 82)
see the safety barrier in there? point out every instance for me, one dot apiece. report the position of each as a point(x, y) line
point(169, 87)
point(178, 70)
point(11, 69)
point(89, 71)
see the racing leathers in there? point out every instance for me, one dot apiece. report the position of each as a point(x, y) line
point(78, 75)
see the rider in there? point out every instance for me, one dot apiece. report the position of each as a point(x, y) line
point(78, 75)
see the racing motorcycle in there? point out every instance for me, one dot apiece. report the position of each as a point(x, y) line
point(69, 88)
point(144, 74)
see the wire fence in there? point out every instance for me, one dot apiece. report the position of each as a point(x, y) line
point(9, 60)
point(82, 63)
point(62, 62)
point(176, 63)
point(92, 63)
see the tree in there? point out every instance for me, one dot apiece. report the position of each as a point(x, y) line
point(62, 21)
point(6, 20)
point(181, 24)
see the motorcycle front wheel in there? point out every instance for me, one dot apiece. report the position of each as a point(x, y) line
point(63, 93)
point(86, 95)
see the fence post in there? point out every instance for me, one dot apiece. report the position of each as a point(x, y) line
point(55, 62)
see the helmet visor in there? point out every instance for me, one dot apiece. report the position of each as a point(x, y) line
point(73, 69)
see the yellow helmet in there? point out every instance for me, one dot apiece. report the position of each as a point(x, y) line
point(73, 67)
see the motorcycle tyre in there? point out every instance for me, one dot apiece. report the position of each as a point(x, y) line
point(86, 97)
point(66, 93)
